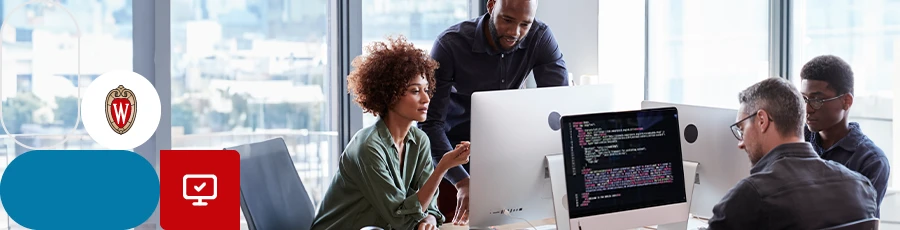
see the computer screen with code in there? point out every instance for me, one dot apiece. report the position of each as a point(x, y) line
point(622, 161)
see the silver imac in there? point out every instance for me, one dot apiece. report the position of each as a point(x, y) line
point(708, 141)
point(623, 170)
point(511, 133)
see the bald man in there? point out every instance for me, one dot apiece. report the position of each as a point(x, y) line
point(495, 51)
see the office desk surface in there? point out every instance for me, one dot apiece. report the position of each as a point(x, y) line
point(517, 226)
point(521, 225)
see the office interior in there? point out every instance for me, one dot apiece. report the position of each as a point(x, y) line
point(235, 72)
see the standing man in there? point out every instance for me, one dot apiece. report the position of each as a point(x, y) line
point(827, 87)
point(495, 51)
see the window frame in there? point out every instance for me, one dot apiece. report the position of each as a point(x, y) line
point(778, 41)
point(152, 59)
point(780, 53)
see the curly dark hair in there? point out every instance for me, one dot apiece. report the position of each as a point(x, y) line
point(831, 69)
point(381, 77)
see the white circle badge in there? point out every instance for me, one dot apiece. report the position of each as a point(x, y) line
point(120, 110)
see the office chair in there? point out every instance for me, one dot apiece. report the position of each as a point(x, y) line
point(864, 224)
point(272, 194)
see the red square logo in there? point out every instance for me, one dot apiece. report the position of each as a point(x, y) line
point(199, 189)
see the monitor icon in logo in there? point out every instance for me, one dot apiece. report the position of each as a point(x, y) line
point(199, 187)
point(121, 108)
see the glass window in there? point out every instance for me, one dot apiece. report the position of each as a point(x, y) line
point(40, 74)
point(420, 21)
point(620, 46)
point(245, 71)
point(866, 34)
point(705, 52)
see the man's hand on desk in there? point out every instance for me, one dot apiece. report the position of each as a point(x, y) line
point(462, 203)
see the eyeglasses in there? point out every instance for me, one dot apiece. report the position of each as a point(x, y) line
point(817, 103)
point(737, 131)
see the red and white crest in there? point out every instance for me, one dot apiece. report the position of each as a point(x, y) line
point(121, 107)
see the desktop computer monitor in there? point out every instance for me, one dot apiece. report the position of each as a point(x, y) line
point(623, 170)
point(511, 133)
point(708, 141)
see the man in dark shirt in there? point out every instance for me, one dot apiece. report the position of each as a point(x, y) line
point(495, 51)
point(789, 186)
point(827, 87)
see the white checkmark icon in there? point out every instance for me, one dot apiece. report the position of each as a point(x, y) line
point(198, 188)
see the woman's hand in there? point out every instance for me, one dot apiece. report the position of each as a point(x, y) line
point(427, 226)
point(456, 157)
point(429, 223)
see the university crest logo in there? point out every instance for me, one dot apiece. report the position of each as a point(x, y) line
point(121, 107)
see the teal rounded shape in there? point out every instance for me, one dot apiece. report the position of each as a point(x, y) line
point(79, 189)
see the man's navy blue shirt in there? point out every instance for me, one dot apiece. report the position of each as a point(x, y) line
point(468, 63)
point(858, 153)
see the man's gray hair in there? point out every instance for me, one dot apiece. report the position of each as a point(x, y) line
point(781, 100)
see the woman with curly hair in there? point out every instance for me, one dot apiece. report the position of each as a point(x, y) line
point(386, 177)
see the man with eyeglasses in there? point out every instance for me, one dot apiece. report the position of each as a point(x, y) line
point(789, 186)
point(827, 88)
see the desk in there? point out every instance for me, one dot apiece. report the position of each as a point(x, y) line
point(692, 224)
point(522, 225)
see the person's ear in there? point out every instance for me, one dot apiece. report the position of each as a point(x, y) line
point(762, 121)
point(847, 101)
point(490, 6)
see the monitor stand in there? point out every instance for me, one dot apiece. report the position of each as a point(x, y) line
point(556, 169)
point(690, 170)
point(199, 203)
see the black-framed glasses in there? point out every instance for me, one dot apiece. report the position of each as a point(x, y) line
point(817, 103)
point(737, 131)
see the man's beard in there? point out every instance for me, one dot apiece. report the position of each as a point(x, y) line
point(496, 37)
point(753, 153)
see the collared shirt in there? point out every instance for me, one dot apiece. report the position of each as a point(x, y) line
point(468, 63)
point(372, 189)
point(859, 154)
point(792, 188)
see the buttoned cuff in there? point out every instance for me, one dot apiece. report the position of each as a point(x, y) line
point(437, 216)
